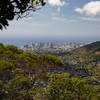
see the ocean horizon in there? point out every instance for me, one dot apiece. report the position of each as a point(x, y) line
point(23, 41)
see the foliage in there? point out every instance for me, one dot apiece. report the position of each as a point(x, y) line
point(46, 60)
point(11, 8)
point(6, 65)
point(88, 55)
point(17, 72)
point(1, 83)
point(94, 72)
point(63, 87)
point(19, 81)
point(25, 76)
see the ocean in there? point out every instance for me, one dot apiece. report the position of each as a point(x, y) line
point(23, 41)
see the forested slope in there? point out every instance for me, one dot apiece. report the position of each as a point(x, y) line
point(88, 55)
point(25, 76)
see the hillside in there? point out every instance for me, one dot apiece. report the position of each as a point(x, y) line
point(15, 60)
point(88, 55)
point(27, 76)
point(87, 49)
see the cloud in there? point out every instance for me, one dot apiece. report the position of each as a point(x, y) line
point(39, 24)
point(90, 9)
point(59, 19)
point(27, 23)
point(59, 9)
point(90, 19)
point(27, 18)
point(56, 2)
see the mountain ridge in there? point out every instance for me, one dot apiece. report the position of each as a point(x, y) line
point(88, 55)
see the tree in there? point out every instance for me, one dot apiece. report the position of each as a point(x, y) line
point(18, 88)
point(27, 61)
point(48, 61)
point(65, 87)
point(11, 8)
point(17, 72)
point(1, 90)
point(93, 72)
point(5, 70)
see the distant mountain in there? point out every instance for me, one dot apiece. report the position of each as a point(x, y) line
point(88, 55)
point(89, 48)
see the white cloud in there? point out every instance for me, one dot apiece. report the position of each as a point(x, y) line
point(62, 19)
point(56, 2)
point(90, 19)
point(59, 9)
point(58, 19)
point(90, 9)
point(79, 10)
point(27, 23)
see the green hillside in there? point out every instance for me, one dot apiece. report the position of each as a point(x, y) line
point(16, 60)
point(84, 56)
point(88, 49)
point(25, 76)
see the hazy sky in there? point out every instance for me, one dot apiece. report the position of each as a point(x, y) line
point(59, 18)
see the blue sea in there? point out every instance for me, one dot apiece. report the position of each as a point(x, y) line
point(23, 41)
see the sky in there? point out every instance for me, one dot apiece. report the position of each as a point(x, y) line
point(59, 19)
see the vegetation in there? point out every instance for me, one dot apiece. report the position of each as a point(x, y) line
point(65, 87)
point(26, 76)
point(20, 8)
point(20, 71)
point(88, 55)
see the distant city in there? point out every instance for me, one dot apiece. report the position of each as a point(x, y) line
point(23, 41)
point(51, 48)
